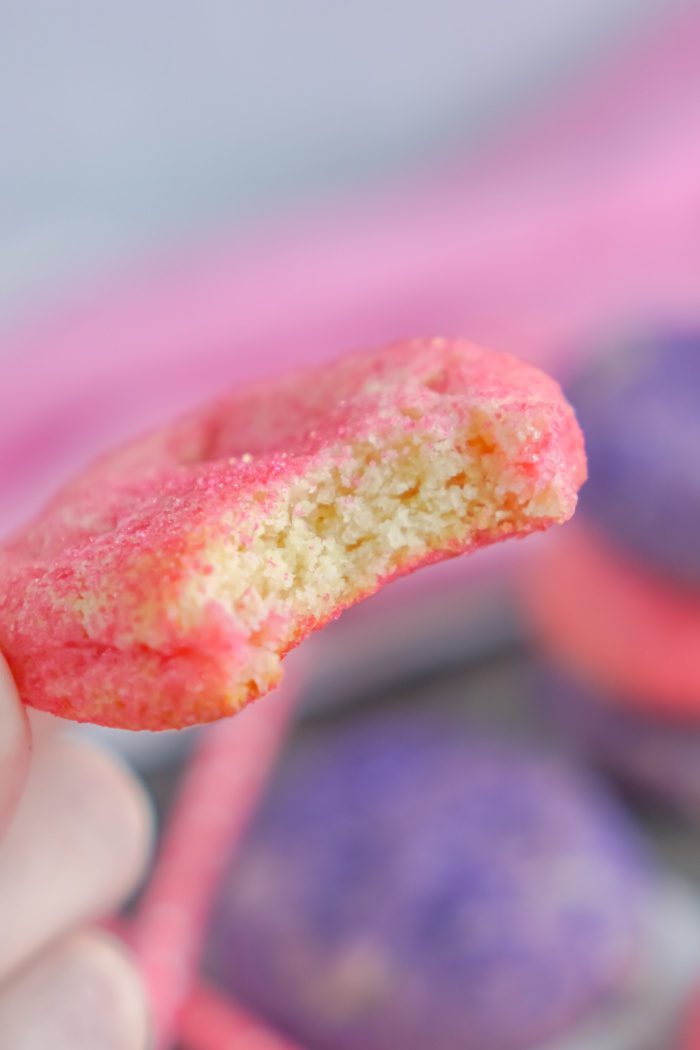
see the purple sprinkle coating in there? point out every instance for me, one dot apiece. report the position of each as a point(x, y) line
point(639, 409)
point(409, 885)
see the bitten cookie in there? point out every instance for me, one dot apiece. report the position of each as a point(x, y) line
point(164, 586)
point(412, 883)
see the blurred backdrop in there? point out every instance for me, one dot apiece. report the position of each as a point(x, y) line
point(125, 126)
point(195, 194)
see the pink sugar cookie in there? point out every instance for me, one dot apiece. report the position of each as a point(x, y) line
point(615, 624)
point(164, 586)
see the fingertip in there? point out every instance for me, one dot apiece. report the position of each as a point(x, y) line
point(78, 845)
point(111, 966)
point(118, 818)
point(14, 744)
point(42, 723)
point(91, 995)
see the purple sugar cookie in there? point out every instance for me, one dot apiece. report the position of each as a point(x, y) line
point(650, 752)
point(408, 884)
point(639, 408)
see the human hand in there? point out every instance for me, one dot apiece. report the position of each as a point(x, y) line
point(74, 836)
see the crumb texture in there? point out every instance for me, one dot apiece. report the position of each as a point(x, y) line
point(165, 586)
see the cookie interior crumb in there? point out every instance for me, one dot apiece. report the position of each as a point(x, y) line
point(331, 535)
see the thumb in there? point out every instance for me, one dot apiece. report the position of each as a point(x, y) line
point(14, 745)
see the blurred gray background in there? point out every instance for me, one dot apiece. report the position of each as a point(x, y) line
point(127, 125)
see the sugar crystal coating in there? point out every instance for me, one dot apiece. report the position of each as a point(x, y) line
point(163, 586)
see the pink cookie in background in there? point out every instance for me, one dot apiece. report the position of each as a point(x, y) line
point(615, 624)
point(163, 587)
